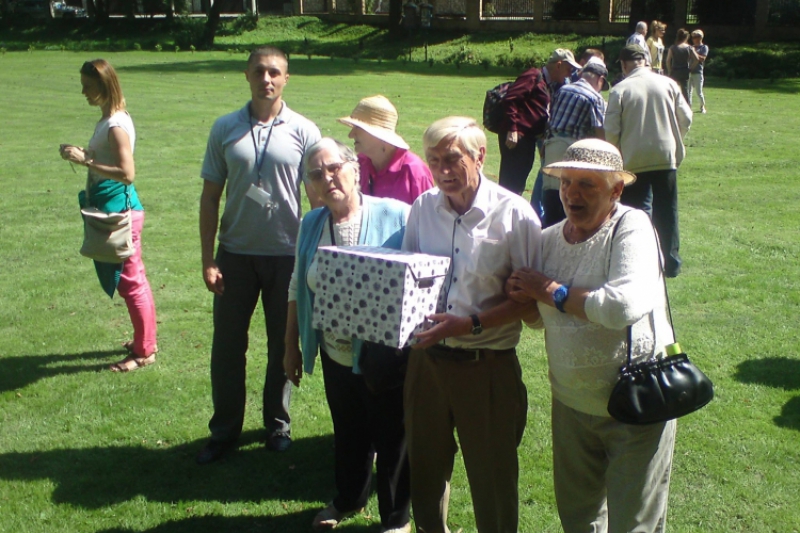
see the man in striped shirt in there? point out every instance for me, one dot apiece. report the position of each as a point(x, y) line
point(576, 113)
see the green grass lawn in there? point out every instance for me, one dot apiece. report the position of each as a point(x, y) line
point(86, 450)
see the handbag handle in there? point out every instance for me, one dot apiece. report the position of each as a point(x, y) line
point(661, 276)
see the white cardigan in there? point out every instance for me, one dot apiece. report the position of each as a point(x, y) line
point(585, 356)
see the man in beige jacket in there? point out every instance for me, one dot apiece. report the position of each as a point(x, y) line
point(647, 119)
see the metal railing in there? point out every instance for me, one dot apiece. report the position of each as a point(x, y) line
point(450, 8)
point(315, 7)
point(620, 10)
point(347, 7)
point(508, 9)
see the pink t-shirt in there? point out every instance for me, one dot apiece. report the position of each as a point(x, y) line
point(405, 178)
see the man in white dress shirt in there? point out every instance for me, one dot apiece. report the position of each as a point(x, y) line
point(640, 37)
point(464, 374)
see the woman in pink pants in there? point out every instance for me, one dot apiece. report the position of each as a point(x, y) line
point(109, 187)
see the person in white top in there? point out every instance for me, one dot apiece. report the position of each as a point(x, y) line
point(600, 275)
point(639, 37)
point(109, 187)
point(464, 373)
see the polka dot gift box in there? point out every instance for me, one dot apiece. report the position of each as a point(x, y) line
point(376, 294)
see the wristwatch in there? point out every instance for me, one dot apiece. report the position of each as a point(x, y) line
point(477, 329)
point(560, 296)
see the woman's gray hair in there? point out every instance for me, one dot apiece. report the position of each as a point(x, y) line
point(345, 153)
point(465, 130)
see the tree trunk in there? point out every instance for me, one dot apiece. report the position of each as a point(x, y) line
point(395, 18)
point(212, 23)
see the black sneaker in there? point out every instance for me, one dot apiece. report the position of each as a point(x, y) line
point(213, 451)
point(279, 442)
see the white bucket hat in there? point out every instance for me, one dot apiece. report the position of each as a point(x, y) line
point(592, 154)
point(377, 116)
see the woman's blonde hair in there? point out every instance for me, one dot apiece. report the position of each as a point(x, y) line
point(110, 89)
point(656, 26)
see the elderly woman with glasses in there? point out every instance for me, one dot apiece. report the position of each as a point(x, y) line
point(109, 188)
point(600, 276)
point(365, 423)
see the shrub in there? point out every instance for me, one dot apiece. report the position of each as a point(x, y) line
point(241, 24)
point(188, 32)
point(158, 47)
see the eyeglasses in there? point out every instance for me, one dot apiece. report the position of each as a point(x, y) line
point(316, 174)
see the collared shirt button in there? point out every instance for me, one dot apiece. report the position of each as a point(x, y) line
point(456, 250)
point(449, 307)
point(455, 280)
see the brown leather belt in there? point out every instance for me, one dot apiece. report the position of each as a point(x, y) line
point(447, 353)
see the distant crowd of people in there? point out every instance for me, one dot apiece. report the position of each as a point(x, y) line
point(579, 261)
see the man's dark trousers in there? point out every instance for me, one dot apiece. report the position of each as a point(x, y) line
point(656, 192)
point(516, 163)
point(245, 277)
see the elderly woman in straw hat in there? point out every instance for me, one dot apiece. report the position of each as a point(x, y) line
point(388, 168)
point(366, 421)
point(600, 275)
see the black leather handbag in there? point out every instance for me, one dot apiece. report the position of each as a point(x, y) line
point(659, 389)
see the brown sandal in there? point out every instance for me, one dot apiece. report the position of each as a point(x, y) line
point(131, 363)
point(129, 347)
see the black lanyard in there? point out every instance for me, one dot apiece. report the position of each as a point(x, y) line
point(259, 164)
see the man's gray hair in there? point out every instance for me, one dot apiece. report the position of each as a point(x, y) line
point(641, 27)
point(465, 130)
point(591, 77)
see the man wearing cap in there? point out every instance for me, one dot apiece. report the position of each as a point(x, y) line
point(647, 119)
point(254, 155)
point(577, 112)
point(388, 168)
point(464, 374)
point(558, 72)
point(640, 37)
point(696, 74)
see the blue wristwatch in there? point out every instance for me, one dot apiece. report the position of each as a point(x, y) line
point(560, 296)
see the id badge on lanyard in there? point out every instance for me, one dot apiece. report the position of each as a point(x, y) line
point(256, 192)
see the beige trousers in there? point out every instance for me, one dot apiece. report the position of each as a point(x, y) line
point(486, 402)
point(610, 477)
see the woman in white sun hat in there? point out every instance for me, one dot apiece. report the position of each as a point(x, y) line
point(600, 275)
point(388, 168)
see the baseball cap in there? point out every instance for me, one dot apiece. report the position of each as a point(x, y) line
point(632, 52)
point(562, 54)
point(596, 66)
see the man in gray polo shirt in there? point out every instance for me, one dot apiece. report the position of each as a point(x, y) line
point(256, 153)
